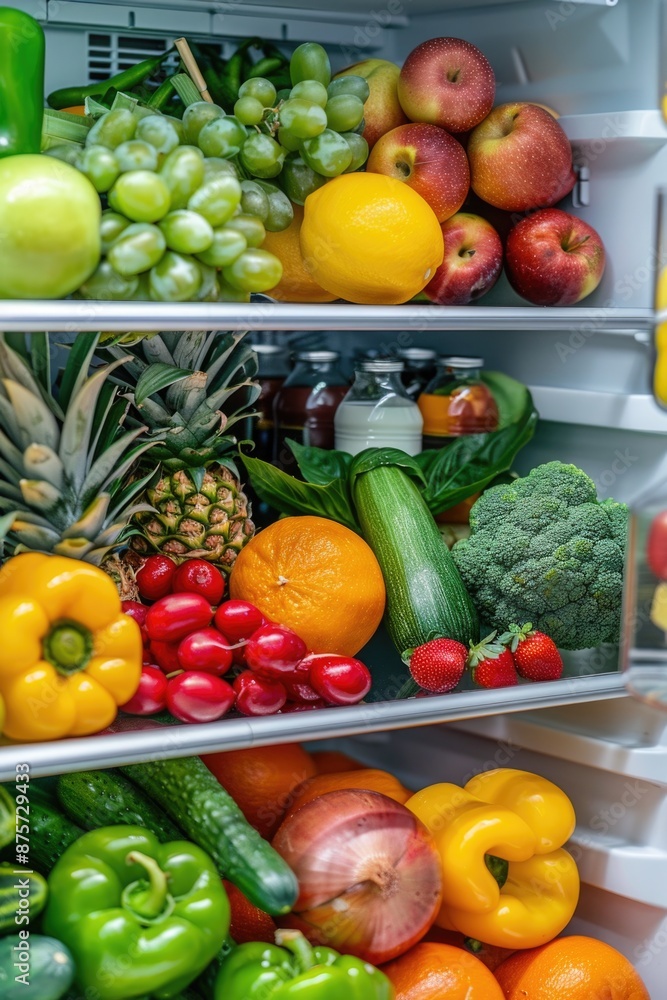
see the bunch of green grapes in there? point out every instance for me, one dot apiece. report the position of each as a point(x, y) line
point(180, 225)
point(306, 135)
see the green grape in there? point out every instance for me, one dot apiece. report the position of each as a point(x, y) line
point(303, 119)
point(100, 166)
point(183, 171)
point(288, 141)
point(262, 156)
point(143, 292)
point(140, 195)
point(196, 116)
point(137, 249)
point(111, 226)
point(312, 91)
point(359, 148)
point(298, 180)
point(179, 127)
point(187, 232)
point(209, 289)
point(310, 62)
point(66, 152)
point(254, 200)
point(250, 227)
point(229, 294)
point(280, 213)
point(217, 199)
point(158, 132)
point(259, 88)
point(327, 154)
point(214, 166)
point(249, 110)
point(222, 137)
point(226, 247)
point(136, 155)
point(361, 127)
point(344, 112)
point(175, 278)
point(284, 94)
point(355, 85)
point(254, 271)
point(112, 129)
point(106, 283)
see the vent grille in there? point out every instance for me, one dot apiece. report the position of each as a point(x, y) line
point(112, 53)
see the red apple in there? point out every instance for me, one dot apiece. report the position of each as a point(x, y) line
point(472, 264)
point(427, 159)
point(447, 82)
point(554, 259)
point(520, 158)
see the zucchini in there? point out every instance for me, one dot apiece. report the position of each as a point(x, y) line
point(426, 598)
point(16, 909)
point(50, 971)
point(7, 818)
point(188, 792)
point(106, 798)
point(50, 832)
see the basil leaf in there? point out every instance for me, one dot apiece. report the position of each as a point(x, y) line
point(373, 458)
point(320, 465)
point(510, 396)
point(291, 496)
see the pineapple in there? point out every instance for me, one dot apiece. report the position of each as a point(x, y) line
point(64, 453)
point(190, 389)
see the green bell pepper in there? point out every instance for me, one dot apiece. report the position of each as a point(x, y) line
point(140, 918)
point(21, 82)
point(297, 970)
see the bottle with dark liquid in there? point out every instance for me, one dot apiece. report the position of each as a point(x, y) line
point(419, 368)
point(273, 369)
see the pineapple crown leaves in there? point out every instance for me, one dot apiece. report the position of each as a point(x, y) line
point(490, 648)
point(516, 634)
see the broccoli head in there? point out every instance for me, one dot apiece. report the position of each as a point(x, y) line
point(544, 549)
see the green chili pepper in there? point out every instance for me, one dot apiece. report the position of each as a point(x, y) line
point(21, 82)
point(264, 67)
point(70, 96)
point(160, 97)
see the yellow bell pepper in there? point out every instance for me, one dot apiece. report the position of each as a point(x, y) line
point(522, 819)
point(68, 655)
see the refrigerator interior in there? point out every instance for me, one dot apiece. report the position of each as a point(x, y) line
point(597, 62)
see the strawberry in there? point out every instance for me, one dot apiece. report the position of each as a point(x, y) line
point(535, 654)
point(438, 665)
point(492, 664)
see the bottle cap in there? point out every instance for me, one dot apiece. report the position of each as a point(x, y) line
point(380, 365)
point(457, 362)
point(317, 356)
point(417, 354)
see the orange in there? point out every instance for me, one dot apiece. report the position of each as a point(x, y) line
point(316, 577)
point(369, 238)
point(489, 954)
point(570, 968)
point(261, 780)
point(249, 923)
point(296, 284)
point(77, 109)
point(367, 778)
point(442, 972)
point(333, 761)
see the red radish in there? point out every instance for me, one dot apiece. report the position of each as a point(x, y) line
point(155, 577)
point(176, 615)
point(274, 651)
point(303, 706)
point(238, 620)
point(136, 610)
point(258, 695)
point(151, 695)
point(438, 665)
point(165, 654)
point(656, 546)
point(340, 680)
point(370, 877)
point(535, 654)
point(492, 664)
point(199, 697)
point(300, 691)
point(205, 650)
point(196, 576)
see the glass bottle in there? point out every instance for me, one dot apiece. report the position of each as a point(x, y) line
point(272, 371)
point(456, 402)
point(305, 405)
point(420, 368)
point(377, 413)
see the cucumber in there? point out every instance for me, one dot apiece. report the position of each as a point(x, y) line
point(188, 792)
point(13, 901)
point(50, 832)
point(106, 798)
point(50, 974)
point(7, 818)
point(426, 598)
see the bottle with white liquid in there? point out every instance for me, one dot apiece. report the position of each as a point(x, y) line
point(377, 412)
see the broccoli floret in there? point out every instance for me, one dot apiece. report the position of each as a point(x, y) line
point(544, 549)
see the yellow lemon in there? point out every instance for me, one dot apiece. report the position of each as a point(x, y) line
point(370, 239)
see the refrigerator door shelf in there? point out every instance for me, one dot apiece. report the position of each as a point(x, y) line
point(622, 411)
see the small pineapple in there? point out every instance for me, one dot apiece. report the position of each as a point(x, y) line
point(190, 389)
point(64, 455)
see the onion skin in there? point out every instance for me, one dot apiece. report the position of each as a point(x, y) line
point(369, 873)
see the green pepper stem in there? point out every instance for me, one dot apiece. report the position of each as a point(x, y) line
point(498, 867)
point(68, 646)
point(299, 946)
point(148, 899)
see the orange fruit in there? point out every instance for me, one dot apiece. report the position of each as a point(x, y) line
point(489, 954)
point(369, 238)
point(296, 284)
point(333, 761)
point(77, 109)
point(261, 780)
point(570, 968)
point(249, 923)
point(316, 577)
point(442, 972)
point(368, 779)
